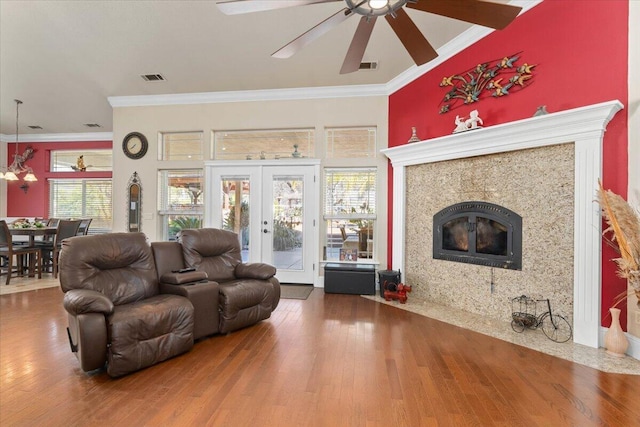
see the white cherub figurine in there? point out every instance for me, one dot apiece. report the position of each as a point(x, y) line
point(460, 125)
point(473, 120)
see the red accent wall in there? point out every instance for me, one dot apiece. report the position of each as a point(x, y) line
point(35, 202)
point(581, 52)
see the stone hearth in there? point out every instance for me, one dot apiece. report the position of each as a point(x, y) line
point(557, 161)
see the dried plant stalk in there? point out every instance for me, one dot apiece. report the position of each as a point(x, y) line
point(624, 224)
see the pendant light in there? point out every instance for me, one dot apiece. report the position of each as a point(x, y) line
point(16, 168)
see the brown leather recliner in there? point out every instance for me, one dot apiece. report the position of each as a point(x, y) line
point(249, 292)
point(117, 314)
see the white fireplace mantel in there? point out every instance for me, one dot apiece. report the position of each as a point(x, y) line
point(585, 127)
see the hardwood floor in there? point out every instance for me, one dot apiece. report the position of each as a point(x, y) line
point(330, 360)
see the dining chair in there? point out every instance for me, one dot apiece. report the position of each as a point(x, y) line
point(19, 240)
point(51, 250)
point(83, 230)
point(8, 250)
point(53, 222)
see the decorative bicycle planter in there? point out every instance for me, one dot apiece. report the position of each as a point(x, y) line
point(523, 315)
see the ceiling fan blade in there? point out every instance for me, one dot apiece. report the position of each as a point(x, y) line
point(301, 41)
point(416, 44)
point(236, 7)
point(358, 45)
point(493, 15)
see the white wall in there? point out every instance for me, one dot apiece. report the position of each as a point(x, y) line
point(287, 114)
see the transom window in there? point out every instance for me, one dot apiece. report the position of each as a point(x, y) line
point(94, 160)
point(344, 143)
point(182, 146)
point(263, 144)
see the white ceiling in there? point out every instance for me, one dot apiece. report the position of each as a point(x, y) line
point(64, 58)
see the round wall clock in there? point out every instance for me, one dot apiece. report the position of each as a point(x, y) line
point(135, 145)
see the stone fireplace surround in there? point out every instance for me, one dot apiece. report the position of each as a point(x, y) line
point(582, 127)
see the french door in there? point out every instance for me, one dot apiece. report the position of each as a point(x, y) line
point(272, 206)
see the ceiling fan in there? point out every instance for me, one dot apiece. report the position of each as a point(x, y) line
point(481, 12)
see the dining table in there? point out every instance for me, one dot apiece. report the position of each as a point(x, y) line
point(32, 232)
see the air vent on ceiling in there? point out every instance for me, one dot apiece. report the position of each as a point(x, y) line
point(153, 77)
point(373, 65)
point(35, 127)
point(92, 125)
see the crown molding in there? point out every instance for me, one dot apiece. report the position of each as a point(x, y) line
point(249, 95)
point(59, 137)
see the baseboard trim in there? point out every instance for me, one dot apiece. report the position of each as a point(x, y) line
point(634, 343)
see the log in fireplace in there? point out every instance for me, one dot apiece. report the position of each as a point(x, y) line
point(478, 233)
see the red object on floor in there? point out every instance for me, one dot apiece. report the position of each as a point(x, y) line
point(397, 292)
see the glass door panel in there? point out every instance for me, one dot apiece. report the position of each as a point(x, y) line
point(288, 222)
point(289, 209)
point(236, 192)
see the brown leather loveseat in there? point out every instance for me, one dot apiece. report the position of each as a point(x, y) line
point(130, 306)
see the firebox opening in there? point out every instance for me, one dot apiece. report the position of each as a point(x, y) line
point(478, 233)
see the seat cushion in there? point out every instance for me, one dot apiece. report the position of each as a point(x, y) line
point(146, 332)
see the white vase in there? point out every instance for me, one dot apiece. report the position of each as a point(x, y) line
point(615, 340)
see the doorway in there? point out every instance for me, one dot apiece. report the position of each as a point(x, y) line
point(272, 206)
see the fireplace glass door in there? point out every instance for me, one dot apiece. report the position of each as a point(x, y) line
point(478, 233)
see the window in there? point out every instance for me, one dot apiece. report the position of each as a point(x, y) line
point(180, 200)
point(349, 211)
point(82, 198)
point(182, 146)
point(94, 160)
point(345, 143)
point(264, 144)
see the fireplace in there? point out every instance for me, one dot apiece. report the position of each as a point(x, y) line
point(581, 130)
point(478, 233)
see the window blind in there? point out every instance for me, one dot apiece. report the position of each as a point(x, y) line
point(82, 198)
point(350, 193)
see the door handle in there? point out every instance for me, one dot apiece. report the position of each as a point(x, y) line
point(265, 231)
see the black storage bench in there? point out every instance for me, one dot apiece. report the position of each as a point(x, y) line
point(357, 279)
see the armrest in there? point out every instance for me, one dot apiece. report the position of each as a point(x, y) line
point(255, 270)
point(182, 278)
point(82, 301)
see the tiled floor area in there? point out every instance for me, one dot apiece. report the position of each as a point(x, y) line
point(22, 284)
point(535, 339)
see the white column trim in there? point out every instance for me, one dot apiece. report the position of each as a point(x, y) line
point(398, 221)
point(585, 127)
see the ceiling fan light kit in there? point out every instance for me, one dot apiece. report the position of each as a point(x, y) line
point(479, 12)
point(378, 4)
